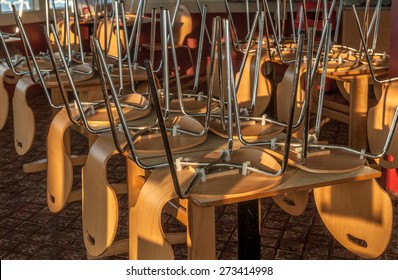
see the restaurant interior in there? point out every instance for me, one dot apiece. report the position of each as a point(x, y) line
point(199, 130)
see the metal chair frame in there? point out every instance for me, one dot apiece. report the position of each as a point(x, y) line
point(166, 32)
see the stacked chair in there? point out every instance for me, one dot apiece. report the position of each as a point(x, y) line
point(8, 73)
point(99, 236)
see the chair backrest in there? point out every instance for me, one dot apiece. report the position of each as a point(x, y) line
point(110, 95)
point(61, 28)
point(182, 25)
point(35, 74)
point(106, 32)
point(67, 29)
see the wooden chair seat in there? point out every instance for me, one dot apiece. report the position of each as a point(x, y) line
point(250, 130)
point(51, 80)
point(156, 47)
point(378, 59)
point(100, 119)
point(148, 240)
point(358, 214)
point(334, 66)
point(233, 183)
point(44, 64)
point(153, 143)
point(343, 52)
point(332, 161)
point(139, 73)
point(191, 104)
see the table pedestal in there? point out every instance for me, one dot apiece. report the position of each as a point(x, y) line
point(358, 112)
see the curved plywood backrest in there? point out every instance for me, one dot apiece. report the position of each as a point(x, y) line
point(264, 89)
point(148, 241)
point(379, 123)
point(293, 203)
point(218, 81)
point(24, 119)
point(182, 26)
point(60, 169)
point(244, 93)
point(62, 35)
point(284, 93)
point(358, 214)
point(110, 36)
point(99, 200)
point(344, 88)
point(4, 102)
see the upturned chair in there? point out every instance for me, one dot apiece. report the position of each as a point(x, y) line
point(359, 214)
point(182, 27)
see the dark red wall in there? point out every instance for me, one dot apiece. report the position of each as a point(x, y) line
point(36, 38)
point(393, 72)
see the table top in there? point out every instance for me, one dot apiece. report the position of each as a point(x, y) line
point(293, 180)
point(347, 70)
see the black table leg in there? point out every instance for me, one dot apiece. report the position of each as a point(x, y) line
point(249, 242)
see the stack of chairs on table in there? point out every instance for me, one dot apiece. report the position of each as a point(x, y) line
point(190, 146)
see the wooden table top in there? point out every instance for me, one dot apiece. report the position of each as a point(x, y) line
point(350, 69)
point(294, 180)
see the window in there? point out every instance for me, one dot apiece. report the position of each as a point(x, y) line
point(58, 4)
point(5, 7)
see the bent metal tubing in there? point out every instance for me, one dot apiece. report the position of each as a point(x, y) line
point(167, 32)
point(220, 162)
point(365, 48)
point(289, 129)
